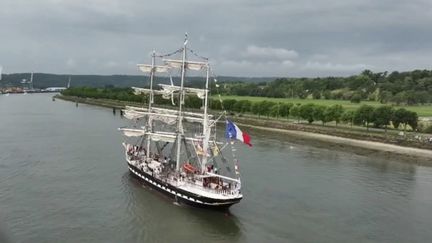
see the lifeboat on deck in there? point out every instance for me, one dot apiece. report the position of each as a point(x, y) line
point(188, 168)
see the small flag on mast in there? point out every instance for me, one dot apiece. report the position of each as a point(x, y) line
point(234, 132)
point(186, 39)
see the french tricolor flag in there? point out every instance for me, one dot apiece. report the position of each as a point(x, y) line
point(233, 131)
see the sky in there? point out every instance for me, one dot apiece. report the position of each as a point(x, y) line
point(255, 38)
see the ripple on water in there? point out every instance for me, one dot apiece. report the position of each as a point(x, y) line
point(72, 183)
point(156, 214)
point(134, 216)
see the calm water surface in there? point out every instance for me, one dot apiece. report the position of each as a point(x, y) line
point(63, 178)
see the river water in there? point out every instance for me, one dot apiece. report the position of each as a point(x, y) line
point(63, 178)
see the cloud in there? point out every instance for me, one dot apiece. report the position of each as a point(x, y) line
point(111, 64)
point(70, 63)
point(275, 37)
point(256, 68)
point(269, 52)
point(337, 67)
point(255, 60)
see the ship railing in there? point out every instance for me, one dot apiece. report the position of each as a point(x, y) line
point(225, 192)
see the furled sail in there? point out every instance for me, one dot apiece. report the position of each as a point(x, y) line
point(172, 88)
point(128, 107)
point(162, 137)
point(167, 111)
point(171, 137)
point(132, 114)
point(157, 69)
point(138, 91)
point(129, 132)
point(191, 65)
point(172, 119)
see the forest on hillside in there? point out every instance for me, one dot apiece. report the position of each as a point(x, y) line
point(44, 80)
point(414, 87)
point(411, 88)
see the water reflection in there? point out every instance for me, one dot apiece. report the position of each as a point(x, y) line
point(4, 238)
point(151, 212)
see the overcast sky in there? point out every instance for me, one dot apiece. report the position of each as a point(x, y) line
point(241, 38)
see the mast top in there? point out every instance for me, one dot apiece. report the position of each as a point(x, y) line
point(186, 39)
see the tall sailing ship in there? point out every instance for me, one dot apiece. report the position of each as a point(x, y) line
point(176, 151)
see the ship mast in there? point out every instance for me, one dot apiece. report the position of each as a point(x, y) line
point(150, 125)
point(180, 132)
point(206, 128)
point(31, 82)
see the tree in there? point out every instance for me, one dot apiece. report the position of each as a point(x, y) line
point(302, 94)
point(255, 109)
point(382, 116)
point(385, 96)
point(193, 102)
point(242, 106)
point(215, 104)
point(246, 107)
point(262, 108)
point(295, 112)
point(348, 117)
point(399, 117)
point(229, 104)
point(356, 98)
point(307, 112)
point(285, 109)
point(405, 117)
point(275, 110)
point(319, 114)
point(411, 97)
point(422, 97)
point(412, 119)
point(327, 94)
point(265, 107)
point(316, 95)
point(399, 98)
point(334, 113)
point(364, 115)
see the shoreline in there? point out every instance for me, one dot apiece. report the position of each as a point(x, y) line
point(413, 155)
point(405, 154)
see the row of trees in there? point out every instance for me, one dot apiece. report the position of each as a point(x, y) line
point(413, 87)
point(365, 115)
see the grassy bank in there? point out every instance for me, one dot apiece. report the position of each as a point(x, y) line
point(422, 110)
point(360, 133)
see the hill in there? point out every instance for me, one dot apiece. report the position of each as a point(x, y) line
point(43, 80)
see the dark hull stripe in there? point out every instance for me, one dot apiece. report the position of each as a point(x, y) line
point(181, 195)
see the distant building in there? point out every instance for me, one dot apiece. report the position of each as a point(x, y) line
point(54, 89)
point(57, 89)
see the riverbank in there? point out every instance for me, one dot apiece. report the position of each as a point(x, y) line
point(357, 141)
point(405, 154)
point(117, 104)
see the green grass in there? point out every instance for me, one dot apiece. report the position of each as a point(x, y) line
point(422, 110)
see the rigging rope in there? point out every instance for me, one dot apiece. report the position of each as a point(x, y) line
point(223, 113)
point(170, 54)
point(199, 56)
point(218, 91)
